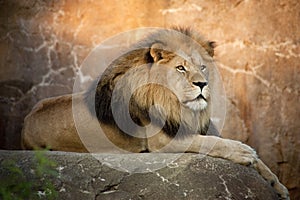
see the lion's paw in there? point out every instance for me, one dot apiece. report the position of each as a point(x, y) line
point(241, 153)
point(271, 178)
point(282, 191)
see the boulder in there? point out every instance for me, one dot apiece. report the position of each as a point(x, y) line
point(119, 176)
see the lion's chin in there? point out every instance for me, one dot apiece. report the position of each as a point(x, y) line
point(196, 105)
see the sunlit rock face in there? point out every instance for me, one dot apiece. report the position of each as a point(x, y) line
point(43, 43)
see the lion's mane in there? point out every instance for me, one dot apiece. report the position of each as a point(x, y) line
point(127, 70)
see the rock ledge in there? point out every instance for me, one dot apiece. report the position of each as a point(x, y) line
point(82, 176)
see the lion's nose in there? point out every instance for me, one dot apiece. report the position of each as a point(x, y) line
point(200, 84)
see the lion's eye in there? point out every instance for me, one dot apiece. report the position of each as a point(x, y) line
point(202, 67)
point(181, 68)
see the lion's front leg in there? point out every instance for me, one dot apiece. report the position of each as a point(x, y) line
point(222, 148)
point(208, 145)
point(272, 179)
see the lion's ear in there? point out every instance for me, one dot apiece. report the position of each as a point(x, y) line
point(157, 51)
point(209, 47)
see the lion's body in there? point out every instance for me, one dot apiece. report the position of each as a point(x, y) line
point(154, 98)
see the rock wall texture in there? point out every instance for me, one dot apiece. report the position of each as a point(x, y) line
point(43, 43)
point(82, 176)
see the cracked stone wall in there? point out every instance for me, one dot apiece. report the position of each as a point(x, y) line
point(43, 43)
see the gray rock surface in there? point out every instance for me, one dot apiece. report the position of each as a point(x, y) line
point(82, 176)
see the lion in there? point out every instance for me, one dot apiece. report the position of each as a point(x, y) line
point(156, 97)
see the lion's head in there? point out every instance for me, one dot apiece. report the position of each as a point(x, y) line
point(163, 80)
point(186, 75)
